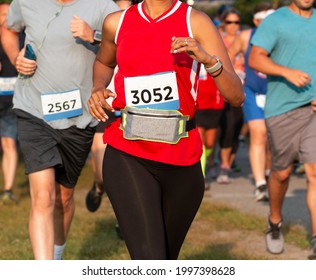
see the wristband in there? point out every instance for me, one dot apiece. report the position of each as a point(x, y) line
point(97, 37)
point(216, 75)
point(218, 65)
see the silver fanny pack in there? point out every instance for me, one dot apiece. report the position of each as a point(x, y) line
point(167, 126)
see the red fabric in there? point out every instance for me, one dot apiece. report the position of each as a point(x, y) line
point(209, 96)
point(143, 48)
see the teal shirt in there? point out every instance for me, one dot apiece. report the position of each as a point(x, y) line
point(291, 41)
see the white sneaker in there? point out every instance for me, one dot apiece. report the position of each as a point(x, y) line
point(223, 177)
point(274, 238)
point(261, 193)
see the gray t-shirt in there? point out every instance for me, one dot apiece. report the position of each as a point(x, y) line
point(64, 63)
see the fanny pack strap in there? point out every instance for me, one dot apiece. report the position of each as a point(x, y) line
point(190, 124)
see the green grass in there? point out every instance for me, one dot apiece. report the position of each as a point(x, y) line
point(93, 236)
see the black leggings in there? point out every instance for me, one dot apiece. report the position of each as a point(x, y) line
point(231, 124)
point(155, 203)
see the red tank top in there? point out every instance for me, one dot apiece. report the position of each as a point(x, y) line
point(143, 48)
point(208, 96)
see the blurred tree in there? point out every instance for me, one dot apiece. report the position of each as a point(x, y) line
point(244, 6)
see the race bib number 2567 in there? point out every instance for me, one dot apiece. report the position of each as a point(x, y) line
point(61, 105)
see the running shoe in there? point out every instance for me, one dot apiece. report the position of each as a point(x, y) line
point(93, 198)
point(223, 177)
point(300, 169)
point(274, 238)
point(261, 193)
point(312, 253)
point(8, 198)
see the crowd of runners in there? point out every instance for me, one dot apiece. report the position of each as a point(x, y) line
point(158, 94)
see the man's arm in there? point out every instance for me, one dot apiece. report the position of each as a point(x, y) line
point(9, 38)
point(10, 43)
point(260, 60)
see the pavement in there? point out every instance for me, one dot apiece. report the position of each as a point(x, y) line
point(239, 195)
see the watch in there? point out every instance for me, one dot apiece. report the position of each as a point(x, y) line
point(218, 65)
point(97, 37)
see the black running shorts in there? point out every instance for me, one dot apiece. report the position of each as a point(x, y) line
point(44, 147)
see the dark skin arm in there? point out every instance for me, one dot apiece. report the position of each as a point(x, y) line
point(206, 43)
point(103, 69)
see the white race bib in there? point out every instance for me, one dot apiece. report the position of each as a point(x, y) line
point(7, 85)
point(158, 91)
point(261, 75)
point(61, 105)
point(261, 100)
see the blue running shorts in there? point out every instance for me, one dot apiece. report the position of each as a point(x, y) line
point(250, 108)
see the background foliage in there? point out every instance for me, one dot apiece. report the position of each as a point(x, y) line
point(245, 7)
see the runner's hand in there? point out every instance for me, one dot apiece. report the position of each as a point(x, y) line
point(97, 102)
point(193, 49)
point(24, 65)
point(81, 29)
point(297, 77)
point(314, 105)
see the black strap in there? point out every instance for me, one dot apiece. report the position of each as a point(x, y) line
point(190, 124)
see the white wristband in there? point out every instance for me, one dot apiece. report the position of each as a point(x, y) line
point(218, 65)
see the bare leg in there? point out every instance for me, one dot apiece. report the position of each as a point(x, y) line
point(232, 159)
point(268, 157)
point(64, 212)
point(244, 131)
point(41, 222)
point(97, 153)
point(9, 161)
point(257, 149)
point(210, 138)
point(278, 185)
point(226, 157)
point(310, 169)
